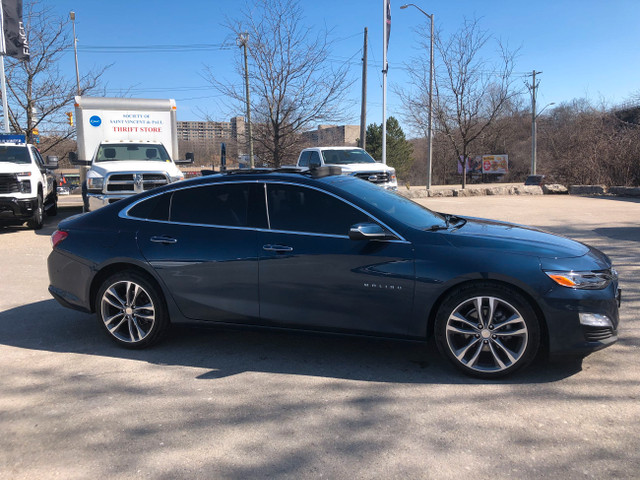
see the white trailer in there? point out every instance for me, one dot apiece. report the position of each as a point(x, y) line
point(131, 145)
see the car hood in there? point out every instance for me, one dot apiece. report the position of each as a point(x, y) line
point(103, 168)
point(364, 167)
point(512, 238)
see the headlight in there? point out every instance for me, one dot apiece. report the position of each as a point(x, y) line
point(176, 178)
point(589, 280)
point(23, 174)
point(95, 183)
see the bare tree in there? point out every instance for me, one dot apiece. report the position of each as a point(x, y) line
point(292, 83)
point(38, 92)
point(470, 93)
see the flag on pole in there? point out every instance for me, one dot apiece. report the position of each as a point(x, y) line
point(13, 37)
point(388, 20)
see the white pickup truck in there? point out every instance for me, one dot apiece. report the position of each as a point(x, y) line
point(28, 187)
point(353, 161)
point(131, 145)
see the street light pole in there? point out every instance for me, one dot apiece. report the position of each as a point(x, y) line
point(430, 113)
point(534, 118)
point(72, 16)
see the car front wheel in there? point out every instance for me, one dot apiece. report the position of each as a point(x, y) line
point(487, 331)
point(132, 310)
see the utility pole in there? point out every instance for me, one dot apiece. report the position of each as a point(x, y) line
point(242, 41)
point(430, 121)
point(72, 16)
point(533, 87)
point(363, 107)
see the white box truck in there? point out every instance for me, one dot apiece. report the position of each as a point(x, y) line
point(131, 145)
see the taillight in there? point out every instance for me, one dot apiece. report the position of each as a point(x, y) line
point(57, 237)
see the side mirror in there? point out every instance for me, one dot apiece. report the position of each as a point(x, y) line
point(73, 159)
point(188, 158)
point(367, 231)
point(52, 162)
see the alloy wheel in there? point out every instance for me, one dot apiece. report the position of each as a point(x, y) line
point(486, 334)
point(128, 311)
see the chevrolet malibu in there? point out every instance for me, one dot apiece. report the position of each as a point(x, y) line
point(332, 253)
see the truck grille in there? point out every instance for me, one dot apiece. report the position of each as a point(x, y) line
point(9, 183)
point(134, 182)
point(374, 177)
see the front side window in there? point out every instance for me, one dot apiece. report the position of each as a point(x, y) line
point(296, 208)
point(315, 160)
point(304, 159)
point(112, 152)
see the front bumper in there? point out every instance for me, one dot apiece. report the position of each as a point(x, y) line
point(97, 200)
point(17, 208)
point(567, 335)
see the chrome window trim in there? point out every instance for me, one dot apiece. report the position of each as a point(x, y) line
point(124, 213)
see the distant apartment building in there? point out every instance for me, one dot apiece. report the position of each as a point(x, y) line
point(338, 135)
point(205, 132)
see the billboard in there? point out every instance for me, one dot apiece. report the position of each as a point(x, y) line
point(495, 164)
point(474, 165)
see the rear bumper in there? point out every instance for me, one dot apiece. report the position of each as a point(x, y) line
point(70, 281)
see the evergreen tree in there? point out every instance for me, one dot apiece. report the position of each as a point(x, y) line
point(399, 150)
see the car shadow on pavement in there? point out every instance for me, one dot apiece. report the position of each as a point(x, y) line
point(224, 352)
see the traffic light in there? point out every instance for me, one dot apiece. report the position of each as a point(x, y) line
point(70, 117)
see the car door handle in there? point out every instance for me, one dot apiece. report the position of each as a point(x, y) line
point(277, 248)
point(163, 239)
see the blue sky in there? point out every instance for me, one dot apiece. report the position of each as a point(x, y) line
point(584, 48)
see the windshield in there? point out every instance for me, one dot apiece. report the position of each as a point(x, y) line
point(14, 154)
point(345, 157)
point(113, 152)
point(393, 204)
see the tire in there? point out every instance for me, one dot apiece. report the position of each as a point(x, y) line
point(505, 338)
point(37, 219)
point(85, 198)
point(132, 310)
point(52, 211)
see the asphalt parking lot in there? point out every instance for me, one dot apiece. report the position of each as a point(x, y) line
point(211, 403)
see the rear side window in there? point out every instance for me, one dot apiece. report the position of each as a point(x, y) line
point(154, 208)
point(224, 205)
point(300, 209)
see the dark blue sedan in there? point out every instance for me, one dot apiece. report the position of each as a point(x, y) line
point(333, 253)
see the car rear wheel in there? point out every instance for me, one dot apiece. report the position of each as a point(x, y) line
point(132, 310)
point(487, 331)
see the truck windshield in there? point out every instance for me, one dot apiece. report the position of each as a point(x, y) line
point(346, 157)
point(113, 152)
point(14, 154)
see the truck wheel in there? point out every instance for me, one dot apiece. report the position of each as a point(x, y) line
point(37, 219)
point(85, 198)
point(52, 211)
